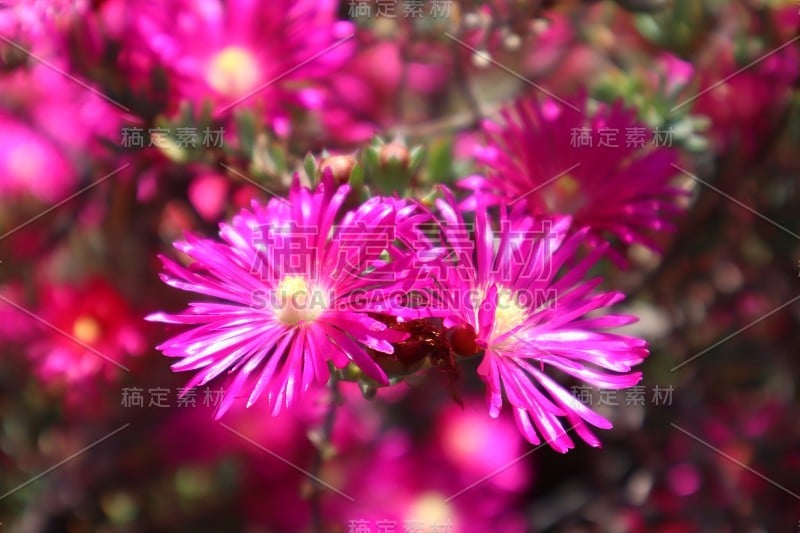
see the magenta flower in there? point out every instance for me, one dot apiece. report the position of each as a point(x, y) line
point(363, 93)
point(272, 53)
point(741, 124)
point(85, 329)
point(26, 156)
point(415, 489)
point(479, 446)
point(294, 293)
point(511, 300)
point(37, 102)
point(15, 325)
point(604, 171)
point(37, 24)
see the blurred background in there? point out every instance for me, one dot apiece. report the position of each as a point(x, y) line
point(125, 123)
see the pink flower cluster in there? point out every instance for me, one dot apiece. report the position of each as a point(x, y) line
point(301, 205)
point(321, 284)
point(305, 287)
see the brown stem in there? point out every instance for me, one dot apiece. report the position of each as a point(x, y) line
point(315, 499)
point(462, 82)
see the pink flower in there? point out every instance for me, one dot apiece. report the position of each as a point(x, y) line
point(509, 301)
point(617, 183)
point(30, 164)
point(552, 37)
point(294, 293)
point(32, 23)
point(674, 73)
point(15, 326)
point(225, 51)
point(742, 123)
point(394, 482)
point(189, 438)
point(365, 92)
point(534, 43)
point(478, 446)
point(99, 326)
point(52, 132)
point(208, 193)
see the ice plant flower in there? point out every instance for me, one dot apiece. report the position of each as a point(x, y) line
point(415, 488)
point(32, 23)
point(478, 446)
point(364, 91)
point(15, 326)
point(742, 124)
point(508, 296)
point(37, 102)
point(602, 170)
point(85, 329)
point(294, 292)
point(26, 156)
point(271, 53)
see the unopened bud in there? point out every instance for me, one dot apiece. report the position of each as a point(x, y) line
point(394, 153)
point(341, 166)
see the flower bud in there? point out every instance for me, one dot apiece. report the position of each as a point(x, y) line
point(341, 166)
point(395, 154)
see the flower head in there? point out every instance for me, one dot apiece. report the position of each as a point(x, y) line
point(37, 24)
point(39, 157)
point(26, 156)
point(416, 484)
point(737, 123)
point(268, 52)
point(525, 312)
point(85, 330)
point(294, 292)
point(602, 170)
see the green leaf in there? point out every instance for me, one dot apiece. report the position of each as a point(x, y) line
point(246, 129)
point(440, 161)
point(310, 166)
point(357, 176)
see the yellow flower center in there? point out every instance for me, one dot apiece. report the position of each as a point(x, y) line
point(509, 313)
point(296, 302)
point(430, 508)
point(86, 329)
point(233, 71)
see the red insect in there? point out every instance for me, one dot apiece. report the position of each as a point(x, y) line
point(426, 341)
